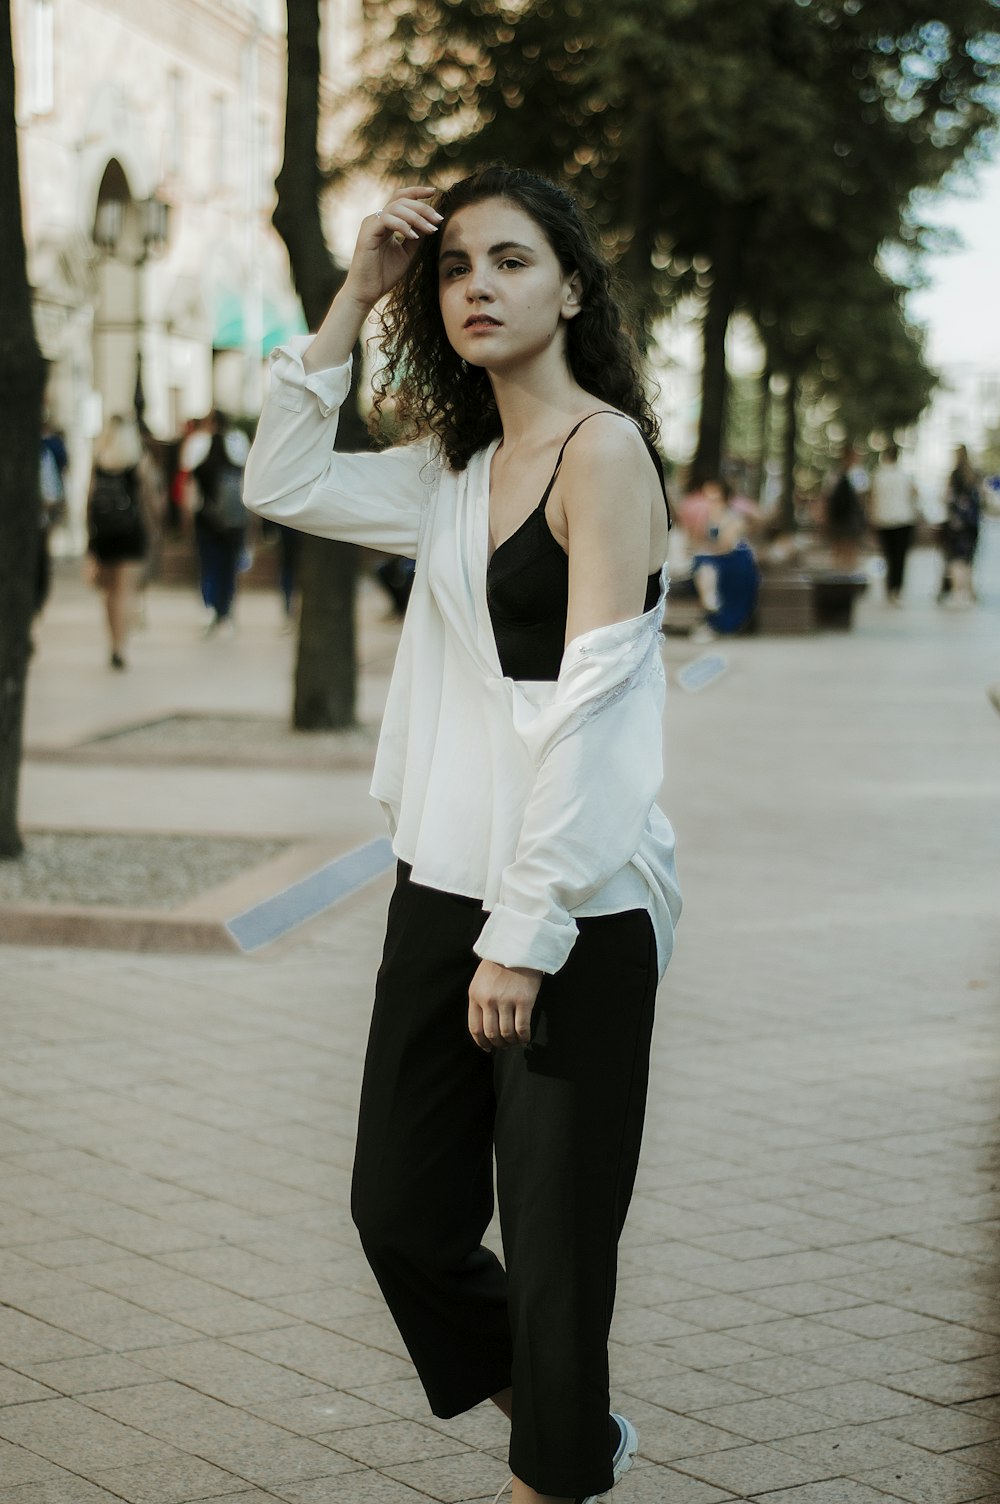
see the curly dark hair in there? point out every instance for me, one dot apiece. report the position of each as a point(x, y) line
point(432, 388)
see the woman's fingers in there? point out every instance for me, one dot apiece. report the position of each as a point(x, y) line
point(506, 1023)
point(501, 1000)
point(409, 220)
point(477, 1029)
point(522, 1023)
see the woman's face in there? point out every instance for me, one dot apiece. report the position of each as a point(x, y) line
point(503, 295)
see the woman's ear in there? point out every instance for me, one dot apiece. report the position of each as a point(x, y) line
point(572, 296)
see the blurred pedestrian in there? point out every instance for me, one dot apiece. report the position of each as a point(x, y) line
point(892, 511)
point(53, 464)
point(519, 762)
point(844, 515)
point(215, 456)
point(724, 570)
point(960, 531)
point(288, 569)
point(118, 525)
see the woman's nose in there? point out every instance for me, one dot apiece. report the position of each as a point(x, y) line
point(477, 288)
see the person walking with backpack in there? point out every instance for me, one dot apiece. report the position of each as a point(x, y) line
point(216, 457)
point(118, 525)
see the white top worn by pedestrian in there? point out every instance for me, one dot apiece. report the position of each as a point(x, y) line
point(892, 500)
point(535, 797)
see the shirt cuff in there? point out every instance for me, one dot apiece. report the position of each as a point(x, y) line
point(513, 939)
point(330, 387)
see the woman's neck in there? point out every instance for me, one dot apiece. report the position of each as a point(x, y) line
point(536, 399)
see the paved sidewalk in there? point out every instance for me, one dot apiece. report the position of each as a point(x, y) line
point(806, 1308)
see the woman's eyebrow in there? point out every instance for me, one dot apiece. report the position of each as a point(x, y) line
point(504, 245)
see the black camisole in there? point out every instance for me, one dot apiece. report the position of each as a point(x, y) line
point(527, 588)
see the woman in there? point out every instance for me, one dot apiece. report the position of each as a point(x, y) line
point(518, 764)
point(845, 521)
point(118, 525)
point(960, 530)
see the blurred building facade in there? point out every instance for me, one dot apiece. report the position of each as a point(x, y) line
point(150, 136)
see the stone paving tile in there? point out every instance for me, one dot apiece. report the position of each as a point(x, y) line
point(758, 1468)
point(987, 1457)
point(235, 1377)
point(934, 1480)
point(451, 1479)
point(324, 1355)
point(18, 1465)
point(949, 1343)
point(68, 1433)
point(365, 1488)
point(64, 1488)
point(766, 1419)
point(833, 1491)
point(23, 1339)
point(75, 1376)
point(851, 1450)
point(688, 1391)
point(806, 1299)
point(16, 1388)
point(948, 1383)
point(178, 1482)
point(777, 1375)
point(662, 1485)
point(859, 1401)
point(388, 1443)
point(871, 1358)
point(942, 1429)
point(323, 1412)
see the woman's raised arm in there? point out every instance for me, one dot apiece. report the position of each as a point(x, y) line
point(294, 475)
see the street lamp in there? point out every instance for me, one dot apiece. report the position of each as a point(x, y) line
point(154, 227)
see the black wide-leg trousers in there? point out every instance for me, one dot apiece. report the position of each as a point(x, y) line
point(563, 1117)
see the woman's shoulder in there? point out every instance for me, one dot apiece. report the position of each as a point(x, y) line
point(606, 447)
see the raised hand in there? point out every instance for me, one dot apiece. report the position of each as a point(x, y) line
point(386, 243)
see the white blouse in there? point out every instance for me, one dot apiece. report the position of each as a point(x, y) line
point(536, 797)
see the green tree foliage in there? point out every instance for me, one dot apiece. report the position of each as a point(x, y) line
point(708, 138)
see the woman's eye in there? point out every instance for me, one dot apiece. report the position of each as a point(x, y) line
point(509, 261)
point(454, 270)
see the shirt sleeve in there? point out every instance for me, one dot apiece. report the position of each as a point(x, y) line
point(599, 765)
point(295, 476)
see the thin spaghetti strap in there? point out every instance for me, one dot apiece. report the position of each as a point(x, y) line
point(562, 451)
point(654, 455)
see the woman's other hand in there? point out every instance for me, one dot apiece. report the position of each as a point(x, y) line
point(386, 243)
point(500, 1002)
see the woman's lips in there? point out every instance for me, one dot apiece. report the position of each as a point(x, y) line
point(481, 321)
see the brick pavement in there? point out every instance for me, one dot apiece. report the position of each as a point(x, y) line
point(806, 1307)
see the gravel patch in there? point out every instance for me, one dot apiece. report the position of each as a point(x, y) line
point(213, 740)
point(130, 871)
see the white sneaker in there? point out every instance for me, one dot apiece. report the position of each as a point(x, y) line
point(624, 1456)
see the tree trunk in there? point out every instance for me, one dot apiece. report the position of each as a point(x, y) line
point(22, 381)
point(326, 665)
point(721, 305)
point(790, 454)
point(764, 433)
